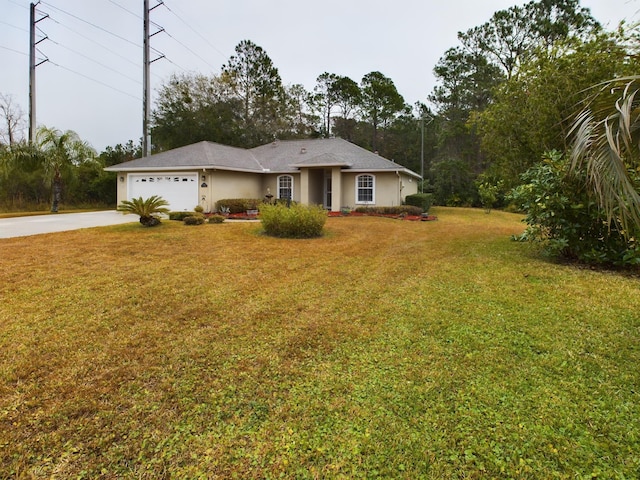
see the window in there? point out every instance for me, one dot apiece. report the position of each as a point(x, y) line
point(285, 187)
point(365, 189)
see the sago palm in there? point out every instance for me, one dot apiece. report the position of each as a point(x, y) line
point(148, 209)
point(606, 143)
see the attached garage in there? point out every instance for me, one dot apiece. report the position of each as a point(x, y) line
point(179, 189)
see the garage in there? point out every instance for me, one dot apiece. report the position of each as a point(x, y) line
point(179, 189)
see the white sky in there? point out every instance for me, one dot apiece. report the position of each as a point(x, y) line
point(102, 40)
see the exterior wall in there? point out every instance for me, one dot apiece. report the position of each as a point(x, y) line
point(226, 184)
point(390, 189)
point(121, 187)
point(270, 182)
point(409, 185)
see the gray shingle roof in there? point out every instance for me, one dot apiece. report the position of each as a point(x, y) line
point(198, 155)
point(278, 156)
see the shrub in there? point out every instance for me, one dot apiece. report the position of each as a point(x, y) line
point(180, 216)
point(422, 200)
point(197, 219)
point(216, 218)
point(563, 216)
point(296, 221)
point(490, 192)
point(397, 210)
point(199, 209)
point(237, 205)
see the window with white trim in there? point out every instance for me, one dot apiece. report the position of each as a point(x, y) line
point(365, 189)
point(285, 187)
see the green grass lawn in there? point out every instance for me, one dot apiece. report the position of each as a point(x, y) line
point(385, 349)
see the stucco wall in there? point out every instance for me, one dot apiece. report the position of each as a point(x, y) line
point(387, 189)
point(225, 184)
point(410, 185)
point(270, 181)
point(121, 187)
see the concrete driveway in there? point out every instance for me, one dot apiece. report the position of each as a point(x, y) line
point(60, 222)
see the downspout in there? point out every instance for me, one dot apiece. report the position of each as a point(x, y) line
point(399, 188)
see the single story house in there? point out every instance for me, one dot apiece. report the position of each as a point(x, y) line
point(331, 172)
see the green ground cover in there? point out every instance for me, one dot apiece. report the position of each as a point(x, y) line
point(384, 349)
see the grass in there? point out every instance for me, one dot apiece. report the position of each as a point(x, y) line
point(385, 349)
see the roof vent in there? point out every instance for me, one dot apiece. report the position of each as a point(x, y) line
point(303, 150)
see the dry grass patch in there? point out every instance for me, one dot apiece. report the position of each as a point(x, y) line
point(385, 348)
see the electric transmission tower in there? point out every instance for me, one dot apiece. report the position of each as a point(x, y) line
point(146, 94)
point(32, 69)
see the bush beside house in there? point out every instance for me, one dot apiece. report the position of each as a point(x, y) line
point(237, 205)
point(422, 200)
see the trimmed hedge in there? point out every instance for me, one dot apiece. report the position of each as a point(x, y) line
point(216, 218)
point(238, 205)
point(296, 221)
point(422, 200)
point(180, 216)
point(397, 210)
point(197, 219)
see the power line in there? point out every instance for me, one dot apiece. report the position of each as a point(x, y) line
point(195, 31)
point(95, 61)
point(13, 26)
point(18, 4)
point(94, 80)
point(187, 48)
point(14, 50)
point(125, 9)
point(96, 42)
point(91, 24)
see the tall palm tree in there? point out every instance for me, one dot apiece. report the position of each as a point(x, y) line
point(61, 150)
point(606, 143)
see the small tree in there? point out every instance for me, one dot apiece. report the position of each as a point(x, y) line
point(488, 193)
point(148, 209)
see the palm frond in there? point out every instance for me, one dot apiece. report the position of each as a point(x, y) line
point(606, 145)
point(144, 207)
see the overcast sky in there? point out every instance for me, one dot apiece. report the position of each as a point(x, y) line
point(92, 82)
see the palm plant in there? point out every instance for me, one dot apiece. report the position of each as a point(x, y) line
point(606, 144)
point(61, 150)
point(148, 209)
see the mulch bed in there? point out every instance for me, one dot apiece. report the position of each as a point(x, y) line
point(412, 218)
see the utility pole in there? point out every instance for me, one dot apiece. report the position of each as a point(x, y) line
point(32, 70)
point(422, 154)
point(146, 83)
point(422, 146)
point(146, 75)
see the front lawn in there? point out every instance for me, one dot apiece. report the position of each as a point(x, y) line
point(385, 349)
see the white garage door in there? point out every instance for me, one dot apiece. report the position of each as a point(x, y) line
point(179, 189)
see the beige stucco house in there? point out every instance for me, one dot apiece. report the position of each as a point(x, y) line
point(330, 172)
